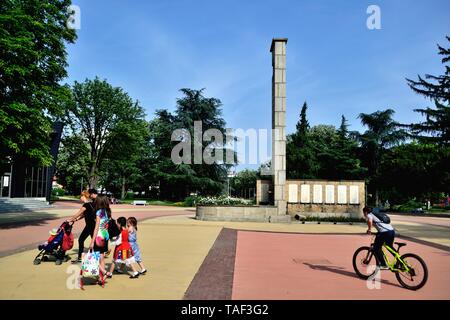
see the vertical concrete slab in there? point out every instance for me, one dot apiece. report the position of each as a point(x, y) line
point(278, 50)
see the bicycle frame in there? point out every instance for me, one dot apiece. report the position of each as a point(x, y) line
point(396, 258)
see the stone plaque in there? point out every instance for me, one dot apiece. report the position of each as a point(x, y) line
point(264, 192)
point(293, 193)
point(354, 195)
point(317, 193)
point(329, 193)
point(305, 196)
point(342, 194)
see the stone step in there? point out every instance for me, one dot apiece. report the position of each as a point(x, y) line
point(22, 204)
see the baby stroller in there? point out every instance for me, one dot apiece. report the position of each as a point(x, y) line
point(56, 246)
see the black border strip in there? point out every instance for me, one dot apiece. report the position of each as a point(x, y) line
point(214, 278)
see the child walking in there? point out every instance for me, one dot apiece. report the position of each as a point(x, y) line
point(123, 253)
point(132, 238)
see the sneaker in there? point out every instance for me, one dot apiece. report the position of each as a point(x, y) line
point(109, 275)
point(134, 275)
point(143, 271)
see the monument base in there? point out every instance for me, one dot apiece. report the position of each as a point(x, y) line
point(241, 213)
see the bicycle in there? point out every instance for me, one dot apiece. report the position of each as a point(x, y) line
point(407, 267)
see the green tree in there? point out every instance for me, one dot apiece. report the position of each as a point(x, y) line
point(413, 170)
point(244, 182)
point(300, 159)
point(435, 130)
point(33, 36)
point(109, 121)
point(382, 133)
point(436, 127)
point(177, 181)
point(72, 166)
point(121, 166)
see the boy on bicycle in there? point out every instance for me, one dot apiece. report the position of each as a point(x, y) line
point(385, 235)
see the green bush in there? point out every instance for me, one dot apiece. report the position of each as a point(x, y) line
point(129, 196)
point(190, 201)
point(58, 192)
point(409, 206)
point(224, 201)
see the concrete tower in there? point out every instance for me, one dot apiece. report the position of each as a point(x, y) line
point(278, 49)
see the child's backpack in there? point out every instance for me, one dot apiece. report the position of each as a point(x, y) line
point(382, 216)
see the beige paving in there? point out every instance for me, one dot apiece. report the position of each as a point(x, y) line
point(172, 253)
point(173, 248)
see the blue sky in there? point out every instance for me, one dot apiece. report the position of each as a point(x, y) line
point(334, 62)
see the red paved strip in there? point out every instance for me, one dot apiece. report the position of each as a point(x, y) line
point(302, 266)
point(28, 237)
point(214, 279)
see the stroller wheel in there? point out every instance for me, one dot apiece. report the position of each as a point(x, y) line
point(37, 261)
point(58, 262)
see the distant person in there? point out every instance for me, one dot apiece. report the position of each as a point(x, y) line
point(132, 238)
point(87, 211)
point(385, 235)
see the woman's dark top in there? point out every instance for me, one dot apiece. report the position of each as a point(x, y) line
point(89, 214)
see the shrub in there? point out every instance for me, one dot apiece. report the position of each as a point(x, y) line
point(409, 206)
point(223, 201)
point(191, 201)
point(129, 195)
point(58, 192)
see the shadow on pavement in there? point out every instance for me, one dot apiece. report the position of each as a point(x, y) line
point(342, 271)
point(18, 220)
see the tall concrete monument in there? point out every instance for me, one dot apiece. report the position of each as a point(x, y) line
point(278, 49)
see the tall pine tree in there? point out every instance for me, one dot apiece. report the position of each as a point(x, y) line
point(436, 127)
point(301, 162)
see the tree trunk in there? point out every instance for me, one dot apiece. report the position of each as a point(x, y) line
point(93, 178)
point(377, 200)
point(123, 188)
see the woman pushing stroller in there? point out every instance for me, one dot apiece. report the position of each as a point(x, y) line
point(87, 211)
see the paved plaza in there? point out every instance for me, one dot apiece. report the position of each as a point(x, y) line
point(191, 259)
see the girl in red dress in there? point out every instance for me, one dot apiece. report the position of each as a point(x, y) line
point(123, 254)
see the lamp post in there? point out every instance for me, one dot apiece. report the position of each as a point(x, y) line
point(231, 174)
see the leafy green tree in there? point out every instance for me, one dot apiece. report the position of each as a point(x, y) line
point(72, 166)
point(176, 181)
point(300, 159)
point(382, 133)
point(107, 119)
point(436, 127)
point(413, 170)
point(244, 182)
point(121, 167)
point(33, 38)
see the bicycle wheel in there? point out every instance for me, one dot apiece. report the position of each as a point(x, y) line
point(417, 275)
point(364, 262)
